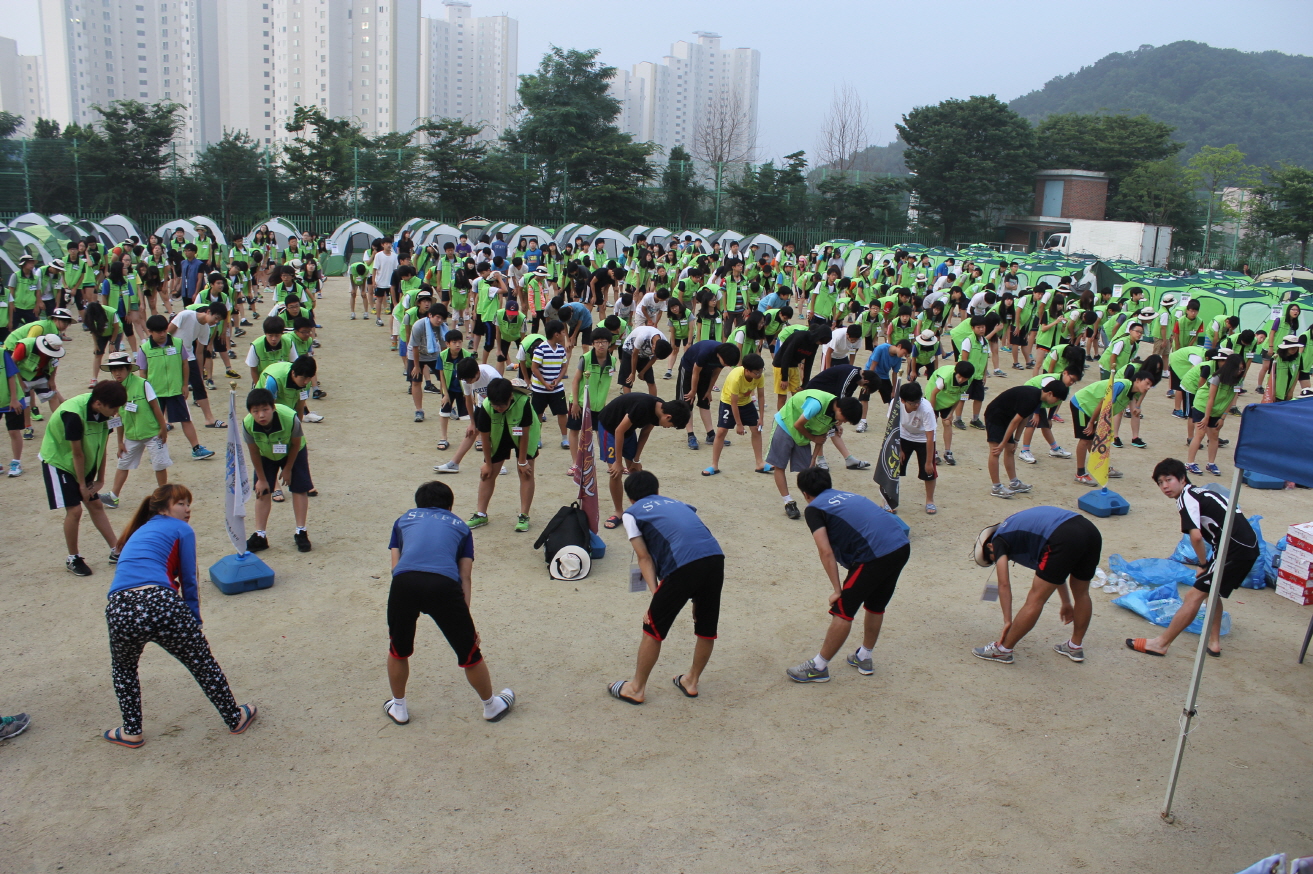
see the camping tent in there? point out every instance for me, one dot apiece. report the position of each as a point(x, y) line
point(697, 238)
point(1262, 446)
point(17, 243)
point(634, 230)
point(350, 240)
point(765, 243)
point(612, 241)
point(282, 229)
point(524, 232)
point(122, 227)
point(569, 233)
point(438, 234)
point(1290, 273)
point(659, 235)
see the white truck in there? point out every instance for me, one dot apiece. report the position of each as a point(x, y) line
point(1146, 245)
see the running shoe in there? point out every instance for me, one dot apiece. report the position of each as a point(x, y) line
point(977, 424)
point(1180, 414)
point(319, 394)
point(991, 653)
point(948, 457)
point(447, 467)
point(431, 388)
point(1213, 469)
point(28, 434)
point(1086, 480)
point(1171, 392)
point(313, 417)
point(1065, 648)
point(302, 541)
point(565, 443)
point(858, 464)
point(1018, 486)
point(353, 317)
point(110, 502)
point(1027, 456)
point(522, 523)
point(998, 371)
point(13, 726)
point(959, 424)
point(209, 383)
point(1018, 366)
point(1138, 443)
point(1057, 417)
point(1001, 491)
point(200, 453)
point(114, 556)
point(15, 468)
point(256, 542)
point(77, 567)
point(692, 441)
point(822, 463)
point(791, 510)
point(232, 374)
point(863, 666)
point(861, 427)
point(1117, 443)
point(668, 374)
point(1114, 473)
point(807, 672)
point(478, 520)
point(419, 415)
point(1059, 452)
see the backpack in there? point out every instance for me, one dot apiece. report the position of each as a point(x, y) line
point(567, 538)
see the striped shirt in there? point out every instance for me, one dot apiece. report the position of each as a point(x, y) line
point(551, 361)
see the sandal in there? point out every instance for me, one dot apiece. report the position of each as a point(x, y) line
point(614, 690)
point(443, 445)
point(115, 736)
point(313, 493)
point(277, 496)
point(217, 423)
point(249, 712)
point(931, 509)
point(711, 471)
point(1138, 644)
point(766, 469)
point(612, 522)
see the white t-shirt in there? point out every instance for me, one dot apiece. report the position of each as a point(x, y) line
point(841, 346)
point(384, 266)
point(479, 388)
point(913, 426)
point(631, 526)
point(977, 305)
point(643, 339)
point(189, 328)
point(648, 308)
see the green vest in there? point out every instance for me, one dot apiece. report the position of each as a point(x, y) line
point(898, 331)
point(487, 302)
point(951, 393)
point(164, 370)
point(302, 347)
point(449, 364)
point(502, 423)
point(1179, 360)
point(598, 377)
point(1089, 398)
point(25, 290)
point(1221, 403)
point(819, 424)
point(1043, 380)
point(510, 329)
point(138, 423)
point(1109, 362)
point(1285, 374)
point(56, 451)
point(1186, 329)
point(773, 324)
point(823, 301)
point(268, 355)
point(280, 437)
point(286, 392)
point(1048, 338)
point(679, 327)
point(1190, 382)
point(204, 248)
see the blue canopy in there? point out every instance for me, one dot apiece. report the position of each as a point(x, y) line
point(1269, 441)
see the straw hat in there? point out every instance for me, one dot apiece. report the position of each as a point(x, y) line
point(927, 337)
point(50, 346)
point(118, 359)
point(985, 534)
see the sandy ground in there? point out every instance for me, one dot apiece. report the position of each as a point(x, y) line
point(938, 762)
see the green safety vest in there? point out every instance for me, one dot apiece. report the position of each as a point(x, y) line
point(139, 421)
point(449, 363)
point(164, 369)
point(267, 355)
point(1089, 398)
point(504, 422)
point(823, 301)
point(679, 327)
point(25, 290)
point(598, 377)
point(113, 293)
point(287, 392)
point(1043, 380)
point(204, 248)
point(1109, 362)
point(1221, 403)
point(281, 437)
point(487, 300)
point(951, 393)
point(510, 329)
point(1051, 362)
point(819, 424)
point(56, 451)
point(1187, 330)
point(302, 347)
point(1285, 374)
point(1179, 360)
point(898, 331)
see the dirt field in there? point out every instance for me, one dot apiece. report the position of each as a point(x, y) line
point(939, 762)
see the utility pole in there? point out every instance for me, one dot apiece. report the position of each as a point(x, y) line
point(1208, 226)
point(355, 180)
point(77, 177)
point(268, 193)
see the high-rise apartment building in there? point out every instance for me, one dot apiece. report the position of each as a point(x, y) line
point(20, 84)
point(469, 68)
point(697, 84)
point(98, 51)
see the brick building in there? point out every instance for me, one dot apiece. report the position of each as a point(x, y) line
point(1059, 195)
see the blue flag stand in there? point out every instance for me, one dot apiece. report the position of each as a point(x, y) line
point(243, 572)
point(1103, 503)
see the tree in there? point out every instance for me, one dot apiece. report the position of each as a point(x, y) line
point(680, 191)
point(129, 150)
point(228, 177)
point(723, 133)
point(579, 160)
point(1160, 193)
point(767, 197)
point(844, 132)
point(1112, 144)
point(9, 124)
point(1283, 206)
point(1212, 170)
point(857, 209)
point(970, 158)
point(455, 166)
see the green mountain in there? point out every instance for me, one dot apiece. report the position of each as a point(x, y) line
point(1261, 101)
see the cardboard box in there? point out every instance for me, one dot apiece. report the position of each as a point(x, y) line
point(1292, 579)
point(1297, 563)
point(1301, 536)
point(1298, 594)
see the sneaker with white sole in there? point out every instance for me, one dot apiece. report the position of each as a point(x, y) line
point(948, 457)
point(1059, 452)
point(1018, 486)
point(863, 666)
point(858, 464)
point(1001, 491)
point(15, 468)
point(1027, 456)
point(446, 467)
point(991, 653)
point(313, 417)
point(1065, 648)
point(668, 374)
point(861, 427)
point(822, 463)
point(109, 500)
point(1086, 480)
point(807, 672)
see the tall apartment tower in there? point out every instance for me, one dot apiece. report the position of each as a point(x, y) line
point(469, 68)
point(97, 51)
point(20, 85)
point(666, 102)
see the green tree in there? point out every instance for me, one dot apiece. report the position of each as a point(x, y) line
point(680, 192)
point(455, 167)
point(129, 151)
point(767, 196)
point(1160, 193)
point(1112, 144)
point(970, 159)
point(52, 168)
point(858, 209)
point(228, 177)
point(320, 163)
point(9, 124)
point(1283, 206)
point(582, 165)
point(1213, 169)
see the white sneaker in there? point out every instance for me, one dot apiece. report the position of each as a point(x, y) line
point(503, 471)
point(1059, 452)
point(1001, 491)
point(353, 317)
point(447, 467)
point(822, 463)
point(1027, 456)
point(861, 427)
point(313, 417)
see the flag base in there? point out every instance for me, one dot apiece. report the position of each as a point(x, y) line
point(1103, 503)
point(243, 572)
point(597, 548)
point(1259, 481)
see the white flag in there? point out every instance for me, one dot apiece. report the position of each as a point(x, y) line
point(236, 482)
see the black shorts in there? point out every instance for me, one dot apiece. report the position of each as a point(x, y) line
point(1197, 416)
point(1239, 562)
point(1079, 421)
point(919, 449)
point(885, 388)
point(415, 369)
point(301, 482)
point(175, 408)
point(511, 445)
point(947, 412)
point(102, 342)
point(648, 377)
point(1073, 550)
point(747, 414)
point(576, 423)
point(382, 290)
point(871, 584)
point(1018, 337)
point(1042, 419)
point(699, 581)
point(996, 426)
point(196, 380)
point(676, 342)
point(976, 390)
point(416, 592)
point(62, 489)
point(1175, 380)
point(705, 380)
point(555, 400)
point(13, 420)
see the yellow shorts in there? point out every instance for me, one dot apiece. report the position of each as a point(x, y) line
point(793, 384)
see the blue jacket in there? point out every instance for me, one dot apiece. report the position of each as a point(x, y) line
point(161, 553)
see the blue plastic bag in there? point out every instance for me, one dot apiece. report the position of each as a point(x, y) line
point(1258, 574)
point(1184, 552)
point(1152, 571)
point(1160, 605)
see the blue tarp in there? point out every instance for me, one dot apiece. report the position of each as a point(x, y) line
point(1274, 440)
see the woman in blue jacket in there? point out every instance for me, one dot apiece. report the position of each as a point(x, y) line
point(154, 599)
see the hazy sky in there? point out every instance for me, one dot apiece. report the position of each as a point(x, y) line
point(897, 55)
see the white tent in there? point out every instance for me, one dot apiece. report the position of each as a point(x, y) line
point(767, 245)
point(212, 225)
point(633, 231)
point(30, 219)
point(352, 239)
point(613, 242)
point(530, 232)
point(659, 235)
point(697, 238)
point(569, 233)
point(727, 237)
point(438, 234)
point(122, 227)
point(282, 229)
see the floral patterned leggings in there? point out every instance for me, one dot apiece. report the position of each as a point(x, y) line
point(158, 615)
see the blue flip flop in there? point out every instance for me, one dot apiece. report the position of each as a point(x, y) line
point(710, 471)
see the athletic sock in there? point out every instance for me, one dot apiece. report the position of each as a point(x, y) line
point(850, 458)
point(300, 530)
point(821, 662)
point(400, 705)
point(788, 498)
point(1025, 447)
point(261, 534)
point(1071, 645)
point(493, 706)
point(863, 653)
point(1001, 648)
point(71, 557)
point(1080, 471)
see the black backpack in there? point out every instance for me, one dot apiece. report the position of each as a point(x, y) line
point(568, 528)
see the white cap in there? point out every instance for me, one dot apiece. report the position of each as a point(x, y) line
point(51, 346)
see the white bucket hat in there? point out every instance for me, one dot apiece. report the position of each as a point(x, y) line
point(50, 346)
point(985, 534)
point(570, 563)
